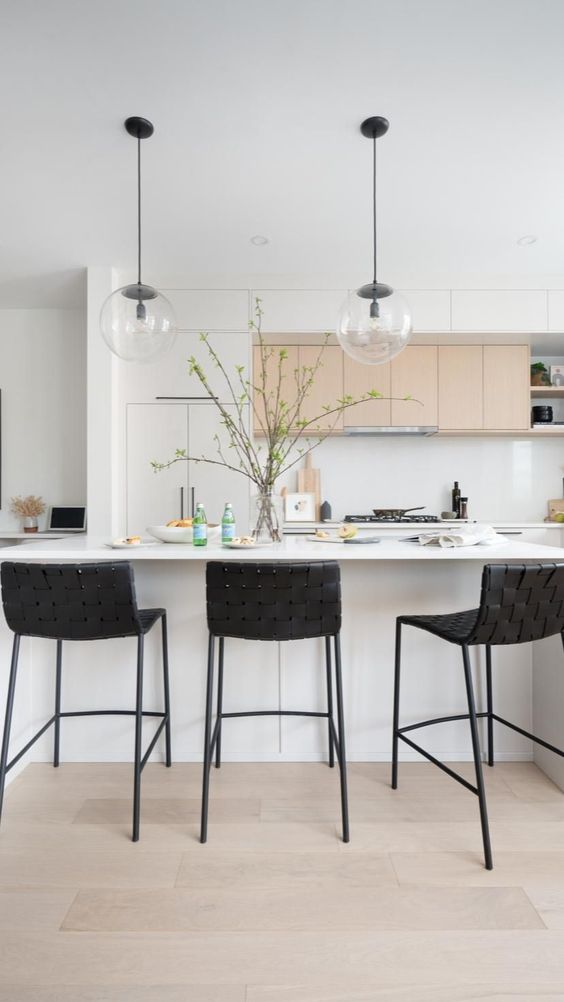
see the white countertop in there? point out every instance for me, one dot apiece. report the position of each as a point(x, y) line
point(305, 527)
point(85, 548)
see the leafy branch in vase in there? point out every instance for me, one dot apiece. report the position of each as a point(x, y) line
point(277, 404)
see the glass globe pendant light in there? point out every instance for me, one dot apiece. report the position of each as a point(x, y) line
point(137, 321)
point(374, 321)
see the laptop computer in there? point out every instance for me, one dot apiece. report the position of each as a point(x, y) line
point(67, 518)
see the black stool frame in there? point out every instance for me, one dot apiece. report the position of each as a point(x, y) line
point(519, 603)
point(274, 602)
point(80, 602)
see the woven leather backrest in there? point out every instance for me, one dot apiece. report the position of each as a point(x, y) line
point(520, 602)
point(286, 601)
point(70, 601)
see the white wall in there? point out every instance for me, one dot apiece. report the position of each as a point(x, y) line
point(503, 478)
point(43, 383)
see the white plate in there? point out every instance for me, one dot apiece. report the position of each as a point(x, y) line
point(180, 534)
point(329, 539)
point(130, 546)
point(246, 546)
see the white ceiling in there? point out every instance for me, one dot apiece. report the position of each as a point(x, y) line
point(256, 105)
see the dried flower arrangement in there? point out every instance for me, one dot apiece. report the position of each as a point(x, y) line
point(28, 507)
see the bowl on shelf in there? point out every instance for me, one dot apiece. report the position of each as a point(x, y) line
point(181, 534)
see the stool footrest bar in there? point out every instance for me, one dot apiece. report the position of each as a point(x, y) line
point(35, 738)
point(154, 740)
point(274, 713)
point(109, 713)
point(437, 762)
point(527, 734)
point(438, 720)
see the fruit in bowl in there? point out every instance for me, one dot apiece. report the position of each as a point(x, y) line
point(180, 531)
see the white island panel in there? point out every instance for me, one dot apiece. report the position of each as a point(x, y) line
point(380, 581)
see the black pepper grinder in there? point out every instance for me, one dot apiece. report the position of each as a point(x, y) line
point(463, 508)
point(325, 512)
point(456, 499)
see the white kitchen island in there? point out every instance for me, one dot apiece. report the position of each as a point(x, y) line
point(380, 581)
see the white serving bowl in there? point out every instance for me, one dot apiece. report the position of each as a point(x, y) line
point(178, 534)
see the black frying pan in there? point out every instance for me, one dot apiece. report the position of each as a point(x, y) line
point(395, 512)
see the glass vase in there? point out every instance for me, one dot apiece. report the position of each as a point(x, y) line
point(267, 518)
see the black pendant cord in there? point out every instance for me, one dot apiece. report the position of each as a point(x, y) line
point(374, 203)
point(139, 210)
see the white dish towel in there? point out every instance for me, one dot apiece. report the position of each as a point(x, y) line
point(468, 535)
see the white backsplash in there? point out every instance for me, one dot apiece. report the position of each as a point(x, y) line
point(503, 478)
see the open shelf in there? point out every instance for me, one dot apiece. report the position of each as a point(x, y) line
point(547, 391)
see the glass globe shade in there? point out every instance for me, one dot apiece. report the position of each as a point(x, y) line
point(138, 323)
point(370, 339)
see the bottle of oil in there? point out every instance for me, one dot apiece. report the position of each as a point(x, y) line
point(456, 499)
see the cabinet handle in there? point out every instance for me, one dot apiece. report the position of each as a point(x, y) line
point(181, 502)
point(193, 492)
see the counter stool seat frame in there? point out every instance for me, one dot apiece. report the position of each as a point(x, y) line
point(519, 603)
point(81, 602)
point(285, 601)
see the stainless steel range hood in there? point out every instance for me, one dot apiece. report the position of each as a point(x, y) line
point(412, 429)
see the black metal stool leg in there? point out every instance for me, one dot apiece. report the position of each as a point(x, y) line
point(329, 700)
point(58, 703)
point(219, 702)
point(138, 734)
point(207, 742)
point(477, 759)
point(342, 750)
point(166, 687)
point(395, 725)
point(8, 717)
point(489, 704)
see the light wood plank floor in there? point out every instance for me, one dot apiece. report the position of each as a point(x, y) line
point(275, 908)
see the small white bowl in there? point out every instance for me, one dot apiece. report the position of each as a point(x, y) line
point(179, 534)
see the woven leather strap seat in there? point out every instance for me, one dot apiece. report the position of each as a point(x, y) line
point(518, 603)
point(81, 602)
point(73, 601)
point(287, 601)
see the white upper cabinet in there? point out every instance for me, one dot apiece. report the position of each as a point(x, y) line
point(430, 309)
point(296, 311)
point(556, 310)
point(495, 311)
point(169, 376)
point(210, 309)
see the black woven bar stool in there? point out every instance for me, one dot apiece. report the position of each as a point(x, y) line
point(286, 601)
point(80, 602)
point(518, 603)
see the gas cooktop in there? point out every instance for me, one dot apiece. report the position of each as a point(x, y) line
point(379, 519)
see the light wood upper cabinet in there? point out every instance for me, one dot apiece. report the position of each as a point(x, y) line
point(414, 372)
point(506, 387)
point(462, 388)
point(288, 383)
point(360, 379)
point(327, 386)
point(461, 405)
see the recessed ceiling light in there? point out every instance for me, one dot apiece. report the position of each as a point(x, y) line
point(259, 241)
point(529, 238)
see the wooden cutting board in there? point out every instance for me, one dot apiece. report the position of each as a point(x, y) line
point(309, 482)
point(554, 506)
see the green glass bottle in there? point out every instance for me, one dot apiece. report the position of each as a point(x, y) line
point(200, 527)
point(227, 524)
